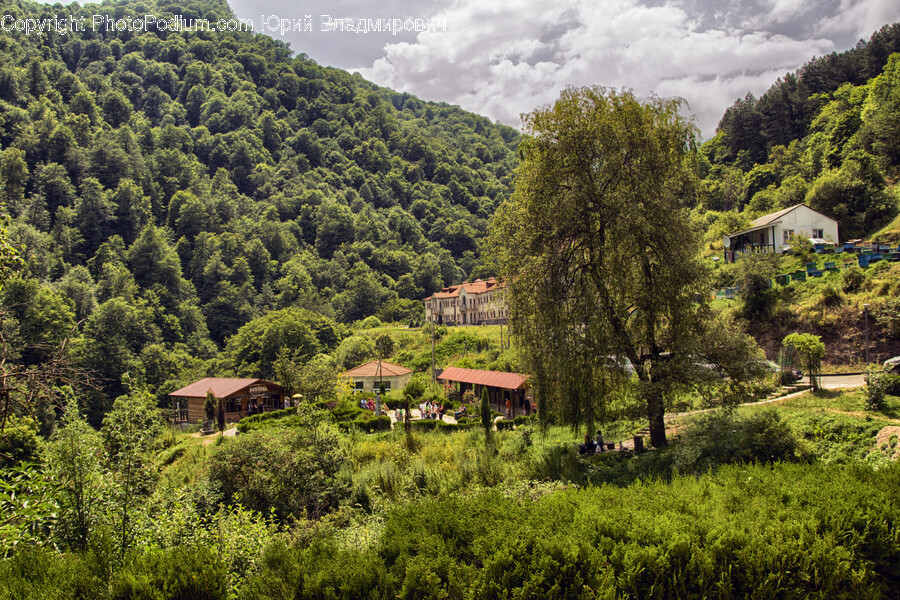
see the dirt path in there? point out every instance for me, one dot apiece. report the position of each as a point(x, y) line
point(206, 440)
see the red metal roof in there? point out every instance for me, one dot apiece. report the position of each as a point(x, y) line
point(507, 381)
point(370, 369)
point(221, 387)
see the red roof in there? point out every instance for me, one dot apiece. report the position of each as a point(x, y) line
point(370, 369)
point(478, 286)
point(507, 381)
point(221, 387)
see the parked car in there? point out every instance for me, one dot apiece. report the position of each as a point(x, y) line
point(796, 374)
point(620, 363)
point(892, 365)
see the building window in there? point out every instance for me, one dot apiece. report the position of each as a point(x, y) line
point(787, 235)
point(818, 233)
point(358, 386)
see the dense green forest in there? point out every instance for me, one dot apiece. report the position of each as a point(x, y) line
point(164, 189)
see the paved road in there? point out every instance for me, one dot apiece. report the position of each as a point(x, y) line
point(831, 382)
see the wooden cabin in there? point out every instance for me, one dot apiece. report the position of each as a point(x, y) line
point(242, 397)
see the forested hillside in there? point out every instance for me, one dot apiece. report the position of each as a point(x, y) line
point(827, 135)
point(166, 188)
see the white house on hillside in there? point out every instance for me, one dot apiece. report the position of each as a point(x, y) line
point(770, 233)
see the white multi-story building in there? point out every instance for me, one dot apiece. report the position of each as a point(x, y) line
point(477, 303)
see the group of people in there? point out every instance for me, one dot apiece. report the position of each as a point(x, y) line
point(591, 446)
point(431, 410)
point(255, 407)
point(428, 410)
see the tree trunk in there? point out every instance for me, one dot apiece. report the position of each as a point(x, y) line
point(656, 411)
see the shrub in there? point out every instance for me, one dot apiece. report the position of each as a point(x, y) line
point(461, 425)
point(852, 279)
point(370, 322)
point(428, 424)
point(176, 573)
point(465, 423)
point(370, 425)
point(722, 438)
point(250, 423)
point(324, 569)
point(348, 410)
point(415, 388)
point(292, 472)
point(891, 384)
point(35, 573)
point(875, 390)
point(558, 463)
point(829, 296)
point(505, 425)
point(525, 420)
point(19, 442)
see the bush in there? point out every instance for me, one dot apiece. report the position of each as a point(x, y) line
point(322, 570)
point(19, 442)
point(786, 531)
point(252, 422)
point(722, 438)
point(875, 390)
point(558, 463)
point(428, 424)
point(526, 420)
point(891, 384)
point(829, 296)
point(465, 423)
point(292, 472)
point(370, 322)
point(505, 425)
point(415, 388)
point(370, 425)
point(348, 410)
point(462, 425)
point(176, 574)
point(852, 279)
point(35, 573)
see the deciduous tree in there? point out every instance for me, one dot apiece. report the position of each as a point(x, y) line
point(811, 349)
point(600, 256)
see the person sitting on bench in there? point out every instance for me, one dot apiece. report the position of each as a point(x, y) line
point(588, 446)
point(599, 442)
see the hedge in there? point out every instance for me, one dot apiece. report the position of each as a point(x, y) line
point(382, 423)
point(253, 422)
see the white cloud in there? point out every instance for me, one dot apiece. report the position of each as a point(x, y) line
point(860, 18)
point(512, 57)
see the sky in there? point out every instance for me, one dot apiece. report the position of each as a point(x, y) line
point(504, 58)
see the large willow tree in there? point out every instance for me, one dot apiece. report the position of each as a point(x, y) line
point(600, 258)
